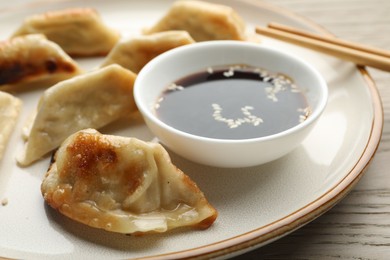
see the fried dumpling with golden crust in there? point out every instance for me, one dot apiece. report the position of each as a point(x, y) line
point(79, 31)
point(9, 112)
point(31, 57)
point(91, 100)
point(123, 185)
point(135, 52)
point(203, 21)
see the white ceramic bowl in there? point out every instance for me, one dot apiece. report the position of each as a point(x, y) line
point(183, 61)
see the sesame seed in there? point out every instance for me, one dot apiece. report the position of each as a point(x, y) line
point(234, 123)
point(174, 87)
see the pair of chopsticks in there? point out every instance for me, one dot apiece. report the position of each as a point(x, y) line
point(356, 53)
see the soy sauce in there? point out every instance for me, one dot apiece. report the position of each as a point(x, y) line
point(233, 102)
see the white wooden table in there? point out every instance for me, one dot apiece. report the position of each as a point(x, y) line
point(359, 226)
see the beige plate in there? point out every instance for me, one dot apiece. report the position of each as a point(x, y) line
point(256, 205)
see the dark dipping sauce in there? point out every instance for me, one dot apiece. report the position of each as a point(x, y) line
point(233, 102)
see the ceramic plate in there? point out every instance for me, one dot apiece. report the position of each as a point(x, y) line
point(256, 205)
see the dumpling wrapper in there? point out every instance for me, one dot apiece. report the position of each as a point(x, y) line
point(134, 53)
point(79, 31)
point(32, 57)
point(91, 100)
point(123, 185)
point(203, 21)
point(9, 111)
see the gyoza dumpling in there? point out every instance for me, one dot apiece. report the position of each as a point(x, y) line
point(91, 100)
point(135, 52)
point(9, 112)
point(79, 31)
point(32, 57)
point(123, 185)
point(203, 21)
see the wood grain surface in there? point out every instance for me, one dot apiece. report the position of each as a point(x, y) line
point(359, 226)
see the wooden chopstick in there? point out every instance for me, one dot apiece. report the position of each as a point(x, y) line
point(357, 53)
point(333, 40)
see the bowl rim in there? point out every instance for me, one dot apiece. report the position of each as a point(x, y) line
point(147, 111)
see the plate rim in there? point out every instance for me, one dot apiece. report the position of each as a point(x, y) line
point(266, 234)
